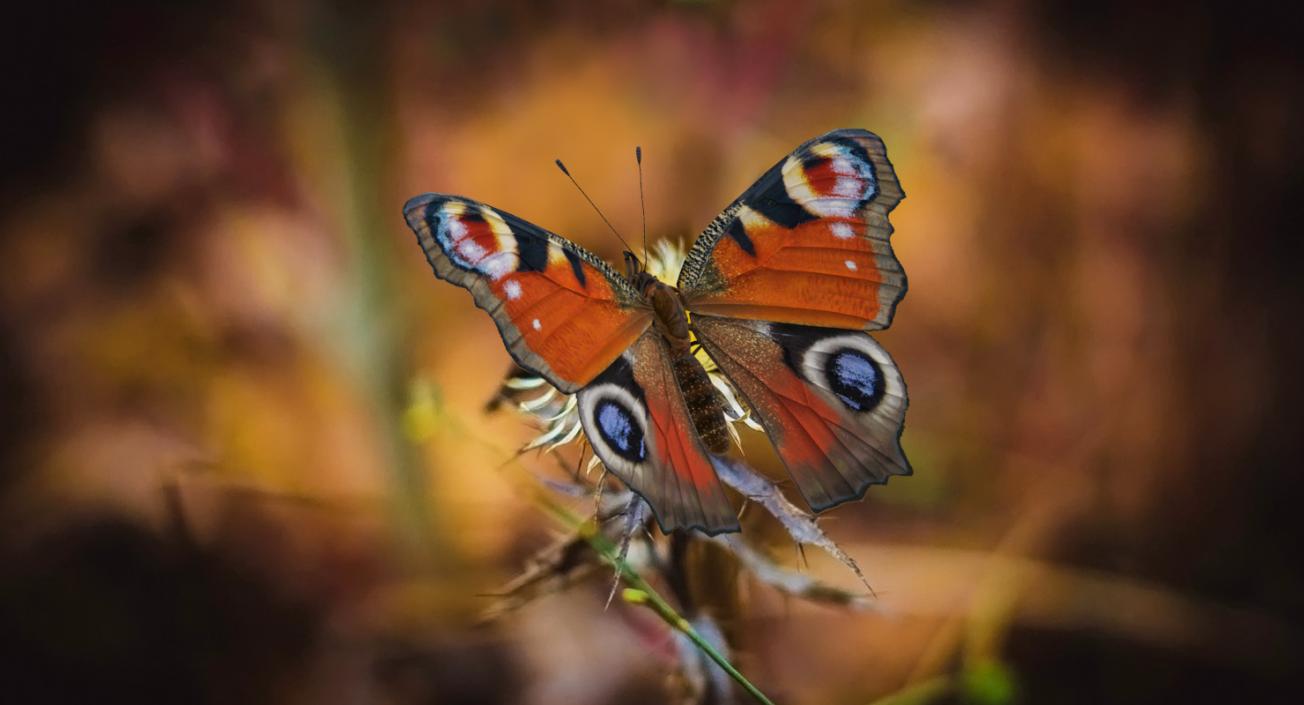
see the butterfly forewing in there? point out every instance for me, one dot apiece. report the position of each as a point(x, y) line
point(562, 312)
point(807, 243)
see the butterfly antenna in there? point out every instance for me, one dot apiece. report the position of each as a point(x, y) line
point(642, 204)
point(597, 210)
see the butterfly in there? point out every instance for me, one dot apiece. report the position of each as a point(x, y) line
point(779, 291)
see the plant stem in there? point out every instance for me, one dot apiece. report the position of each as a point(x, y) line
point(644, 594)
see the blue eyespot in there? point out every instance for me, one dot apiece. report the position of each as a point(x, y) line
point(855, 379)
point(619, 429)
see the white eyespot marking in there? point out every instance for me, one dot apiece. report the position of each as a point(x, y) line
point(839, 189)
point(535, 323)
point(849, 187)
point(617, 426)
point(450, 233)
point(850, 265)
point(456, 228)
point(469, 251)
point(468, 248)
point(513, 289)
point(843, 231)
point(839, 364)
point(499, 265)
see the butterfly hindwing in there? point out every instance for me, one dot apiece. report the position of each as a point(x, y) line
point(832, 401)
point(807, 243)
point(562, 312)
point(635, 417)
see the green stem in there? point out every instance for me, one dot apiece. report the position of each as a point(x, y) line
point(644, 594)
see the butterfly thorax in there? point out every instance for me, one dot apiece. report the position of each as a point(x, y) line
point(668, 313)
point(670, 319)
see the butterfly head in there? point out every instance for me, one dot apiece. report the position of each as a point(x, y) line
point(644, 281)
point(634, 268)
point(633, 265)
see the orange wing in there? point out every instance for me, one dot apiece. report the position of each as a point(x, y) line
point(832, 401)
point(808, 243)
point(635, 418)
point(562, 312)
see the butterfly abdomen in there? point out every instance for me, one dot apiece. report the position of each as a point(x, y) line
point(703, 401)
point(705, 407)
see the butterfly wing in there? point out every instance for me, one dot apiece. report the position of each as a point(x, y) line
point(832, 401)
point(635, 417)
point(807, 243)
point(562, 312)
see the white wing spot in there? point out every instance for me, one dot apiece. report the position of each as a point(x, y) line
point(470, 251)
point(536, 324)
point(456, 228)
point(850, 265)
point(513, 289)
point(843, 231)
point(498, 266)
point(847, 186)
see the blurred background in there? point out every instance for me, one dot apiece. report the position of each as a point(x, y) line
point(244, 453)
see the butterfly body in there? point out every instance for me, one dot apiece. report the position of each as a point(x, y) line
point(778, 291)
point(670, 320)
point(669, 316)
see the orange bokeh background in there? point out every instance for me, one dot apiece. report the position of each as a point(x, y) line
point(246, 458)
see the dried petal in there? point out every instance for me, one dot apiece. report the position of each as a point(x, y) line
point(800, 525)
point(788, 581)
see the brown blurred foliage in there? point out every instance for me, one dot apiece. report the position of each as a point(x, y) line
point(243, 453)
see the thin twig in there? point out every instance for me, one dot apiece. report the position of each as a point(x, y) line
point(643, 593)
